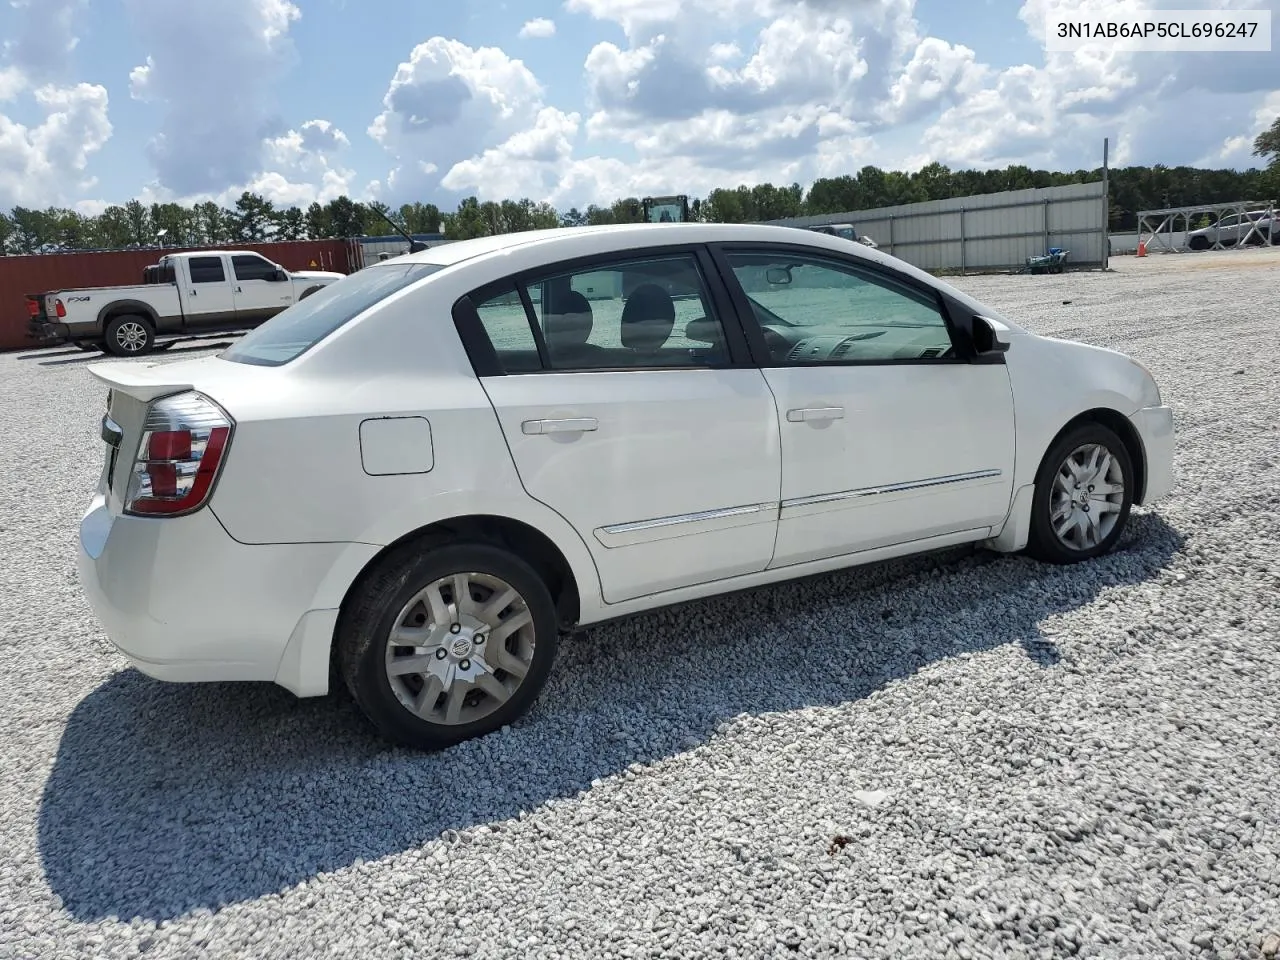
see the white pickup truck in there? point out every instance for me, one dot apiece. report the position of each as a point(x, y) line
point(185, 295)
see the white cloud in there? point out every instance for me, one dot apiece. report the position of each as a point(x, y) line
point(529, 163)
point(42, 164)
point(539, 29)
point(449, 103)
point(215, 96)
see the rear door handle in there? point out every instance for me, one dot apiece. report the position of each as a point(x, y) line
point(573, 425)
point(808, 414)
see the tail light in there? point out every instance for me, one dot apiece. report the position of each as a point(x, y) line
point(184, 442)
point(60, 307)
point(33, 306)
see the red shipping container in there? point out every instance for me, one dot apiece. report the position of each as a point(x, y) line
point(20, 276)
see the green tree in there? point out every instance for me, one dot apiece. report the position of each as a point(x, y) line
point(466, 222)
point(419, 217)
point(290, 224)
point(934, 181)
point(111, 229)
point(177, 222)
point(345, 217)
point(253, 218)
point(212, 224)
point(141, 232)
point(32, 230)
point(1267, 143)
point(373, 225)
point(7, 229)
point(573, 217)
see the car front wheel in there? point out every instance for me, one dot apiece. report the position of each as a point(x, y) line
point(446, 642)
point(1083, 494)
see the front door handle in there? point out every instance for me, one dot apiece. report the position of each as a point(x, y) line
point(573, 425)
point(809, 414)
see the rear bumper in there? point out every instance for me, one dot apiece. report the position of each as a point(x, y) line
point(185, 602)
point(1155, 428)
point(47, 331)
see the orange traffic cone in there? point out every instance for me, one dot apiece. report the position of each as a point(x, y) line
point(1142, 248)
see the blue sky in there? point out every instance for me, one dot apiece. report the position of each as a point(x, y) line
point(104, 100)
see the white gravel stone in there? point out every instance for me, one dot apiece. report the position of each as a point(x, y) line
point(1063, 761)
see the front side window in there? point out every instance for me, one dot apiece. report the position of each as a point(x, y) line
point(253, 268)
point(636, 314)
point(813, 310)
point(206, 270)
point(299, 327)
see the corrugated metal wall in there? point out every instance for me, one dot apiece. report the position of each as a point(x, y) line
point(995, 231)
point(35, 274)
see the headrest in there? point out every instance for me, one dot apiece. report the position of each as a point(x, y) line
point(648, 318)
point(571, 327)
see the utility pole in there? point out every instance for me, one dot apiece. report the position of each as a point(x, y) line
point(1106, 205)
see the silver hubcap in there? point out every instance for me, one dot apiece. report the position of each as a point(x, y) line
point(131, 336)
point(460, 648)
point(1088, 494)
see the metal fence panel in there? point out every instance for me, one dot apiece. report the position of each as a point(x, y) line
point(994, 231)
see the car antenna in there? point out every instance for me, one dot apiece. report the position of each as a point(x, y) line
point(415, 246)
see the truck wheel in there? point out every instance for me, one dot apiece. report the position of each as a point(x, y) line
point(308, 292)
point(130, 335)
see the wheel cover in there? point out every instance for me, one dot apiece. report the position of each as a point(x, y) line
point(1087, 497)
point(132, 336)
point(460, 648)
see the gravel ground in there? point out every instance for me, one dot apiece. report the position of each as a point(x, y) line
point(953, 756)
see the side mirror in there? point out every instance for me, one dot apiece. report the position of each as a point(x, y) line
point(778, 275)
point(985, 340)
point(280, 275)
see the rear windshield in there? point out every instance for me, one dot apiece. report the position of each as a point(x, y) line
point(296, 329)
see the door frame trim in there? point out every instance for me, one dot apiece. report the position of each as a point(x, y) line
point(888, 488)
point(685, 524)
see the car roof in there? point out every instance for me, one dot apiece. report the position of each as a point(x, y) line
point(185, 254)
point(622, 234)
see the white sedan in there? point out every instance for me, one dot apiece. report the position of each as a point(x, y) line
point(414, 481)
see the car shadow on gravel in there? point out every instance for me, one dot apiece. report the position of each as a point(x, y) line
point(164, 799)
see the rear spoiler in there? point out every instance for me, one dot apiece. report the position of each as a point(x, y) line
point(142, 381)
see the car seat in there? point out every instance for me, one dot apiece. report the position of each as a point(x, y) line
point(647, 320)
point(568, 331)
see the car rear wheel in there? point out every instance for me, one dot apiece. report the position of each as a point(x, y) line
point(444, 642)
point(130, 335)
point(1083, 494)
point(1199, 243)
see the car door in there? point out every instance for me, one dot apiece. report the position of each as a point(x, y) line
point(210, 299)
point(632, 409)
point(888, 437)
point(260, 293)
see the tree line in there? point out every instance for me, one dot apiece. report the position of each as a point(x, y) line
point(253, 218)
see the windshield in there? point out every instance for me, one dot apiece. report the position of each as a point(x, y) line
point(296, 329)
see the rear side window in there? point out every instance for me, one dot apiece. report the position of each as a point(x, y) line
point(296, 329)
point(206, 270)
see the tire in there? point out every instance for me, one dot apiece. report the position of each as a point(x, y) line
point(1053, 486)
point(1199, 243)
point(390, 597)
point(130, 335)
point(308, 292)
